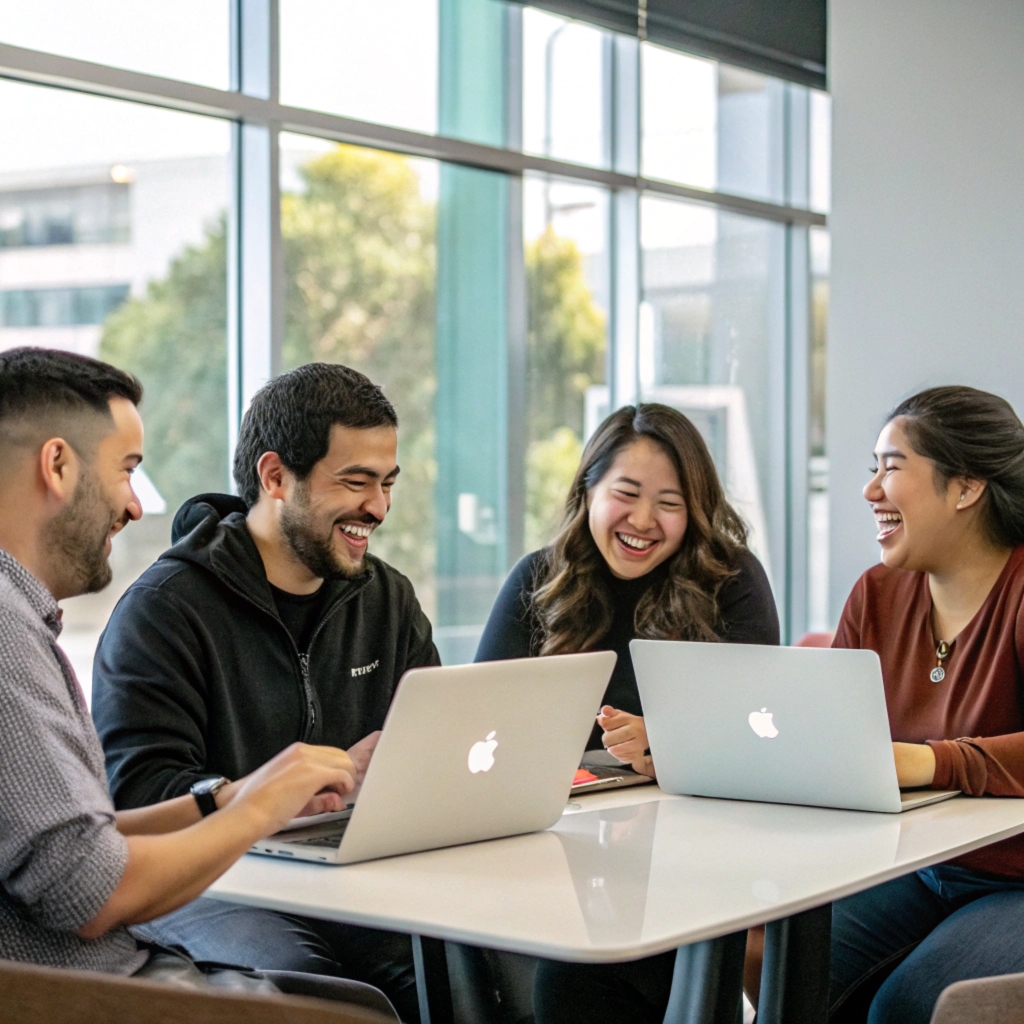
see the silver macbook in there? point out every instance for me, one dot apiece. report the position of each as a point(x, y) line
point(781, 724)
point(467, 753)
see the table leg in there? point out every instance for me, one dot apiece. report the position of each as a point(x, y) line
point(433, 987)
point(794, 978)
point(707, 984)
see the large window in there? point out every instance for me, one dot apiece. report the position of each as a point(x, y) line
point(512, 221)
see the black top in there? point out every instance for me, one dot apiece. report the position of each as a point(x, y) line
point(745, 604)
point(300, 613)
point(197, 673)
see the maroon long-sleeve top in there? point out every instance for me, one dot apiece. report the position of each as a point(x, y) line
point(974, 718)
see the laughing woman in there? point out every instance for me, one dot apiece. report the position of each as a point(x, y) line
point(648, 547)
point(945, 613)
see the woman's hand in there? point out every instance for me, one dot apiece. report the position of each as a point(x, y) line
point(625, 738)
point(915, 764)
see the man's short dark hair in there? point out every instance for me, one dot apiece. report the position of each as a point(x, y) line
point(45, 391)
point(293, 415)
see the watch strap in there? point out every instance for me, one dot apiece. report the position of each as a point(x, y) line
point(205, 793)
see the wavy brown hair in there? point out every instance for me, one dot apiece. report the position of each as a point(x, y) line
point(571, 599)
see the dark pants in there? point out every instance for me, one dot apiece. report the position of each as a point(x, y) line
point(631, 993)
point(264, 940)
point(897, 946)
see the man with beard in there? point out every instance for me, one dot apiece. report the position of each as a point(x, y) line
point(74, 875)
point(265, 624)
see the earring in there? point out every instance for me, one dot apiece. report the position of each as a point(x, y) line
point(963, 494)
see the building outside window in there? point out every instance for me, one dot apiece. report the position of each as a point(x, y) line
point(623, 230)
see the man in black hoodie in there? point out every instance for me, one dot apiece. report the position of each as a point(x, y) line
point(266, 623)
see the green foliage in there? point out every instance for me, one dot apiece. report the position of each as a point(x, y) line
point(174, 340)
point(566, 336)
point(360, 271)
point(565, 356)
point(550, 467)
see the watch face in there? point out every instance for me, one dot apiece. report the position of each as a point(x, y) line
point(208, 785)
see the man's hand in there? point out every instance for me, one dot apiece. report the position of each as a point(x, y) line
point(361, 753)
point(625, 738)
point(915, 764)
point(301, 780)
point(170, 868)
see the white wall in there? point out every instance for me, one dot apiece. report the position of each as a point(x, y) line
point(927, 222)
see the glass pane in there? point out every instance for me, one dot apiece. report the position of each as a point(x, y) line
point(189, 39)
point(711, 317)
point(398, 267)
point(359, 239)
point(112, 243)
point(821, 151)
point(818, 499)
point(711, 126)
point(563, 88)
point(567, 283)
point(375, 61)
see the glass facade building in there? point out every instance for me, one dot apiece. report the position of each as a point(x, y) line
point(513, 222)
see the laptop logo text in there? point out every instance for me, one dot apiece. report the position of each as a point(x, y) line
point(761, 722)
point(481, 754)
point(366, 669)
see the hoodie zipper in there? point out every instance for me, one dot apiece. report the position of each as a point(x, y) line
point(304, 666)
point(303, 659)
point(308, 690)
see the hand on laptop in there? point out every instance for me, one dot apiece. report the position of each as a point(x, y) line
point(300, 781)
point(361, 753)
point(915, 764)
point(625, 738)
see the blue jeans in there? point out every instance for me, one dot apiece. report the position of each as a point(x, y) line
point(897, 946)
point(264, 940)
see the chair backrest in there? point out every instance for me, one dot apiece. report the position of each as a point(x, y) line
point(41, 995)
point(982, 1001)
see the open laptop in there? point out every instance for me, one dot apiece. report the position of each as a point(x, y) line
point(781, 724)
point(469, 752)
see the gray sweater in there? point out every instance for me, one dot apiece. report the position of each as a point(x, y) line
point(61, 855)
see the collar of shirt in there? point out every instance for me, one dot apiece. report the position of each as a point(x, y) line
point(39, 598)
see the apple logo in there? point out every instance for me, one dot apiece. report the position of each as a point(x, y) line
point(761, 723)
point(481, 754)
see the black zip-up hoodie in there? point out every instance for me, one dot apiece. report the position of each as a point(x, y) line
point(197, 676)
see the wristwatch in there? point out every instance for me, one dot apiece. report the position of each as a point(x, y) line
point(205, 792)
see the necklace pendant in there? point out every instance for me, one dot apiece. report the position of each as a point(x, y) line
point(937, 674)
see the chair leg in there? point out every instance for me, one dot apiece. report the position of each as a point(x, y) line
point(794, 979)
point(707, 985)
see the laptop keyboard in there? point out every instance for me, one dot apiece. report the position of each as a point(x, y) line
point(326, 840)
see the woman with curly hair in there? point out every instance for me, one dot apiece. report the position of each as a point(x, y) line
point(648, 547)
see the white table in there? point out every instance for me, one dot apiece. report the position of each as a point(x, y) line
point(631, 873)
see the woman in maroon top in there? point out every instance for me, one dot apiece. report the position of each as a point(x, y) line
point(945, 613)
